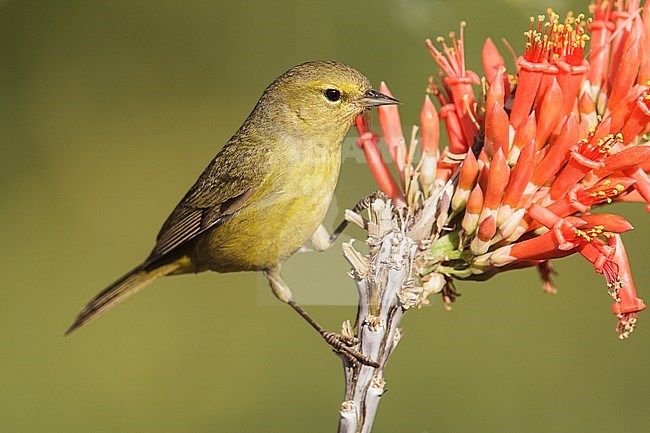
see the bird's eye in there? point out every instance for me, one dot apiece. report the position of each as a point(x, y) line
point(333, 95)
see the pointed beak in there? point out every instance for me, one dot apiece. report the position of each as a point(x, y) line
point(373, 98)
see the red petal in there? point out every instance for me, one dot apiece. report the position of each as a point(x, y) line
point(486, 229)
point(644, 71)
point(609, 222)
point(549, 114)
point(475, 201)
point(492, 60)
point(569, 78)
point(525, 134)
point(586, 104)
point(530, 76)
point(468, 172)
point(543, 247)
point(391, 129)
point(369, 142)
point(497, 129)
point(632, 157)
point(626, 73)
point(639, 119)
point(520, 176)
point(496, 92)
point(628, 301)
point(558, 154)
point(642, 184)
point(457, 142)
point(430, 127)
point(497, 181)
point(601, 29)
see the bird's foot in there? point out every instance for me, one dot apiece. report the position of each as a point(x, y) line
point(344, 345)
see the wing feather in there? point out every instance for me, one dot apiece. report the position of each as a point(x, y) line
point(223, 188)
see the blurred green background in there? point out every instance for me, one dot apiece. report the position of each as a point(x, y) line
point(110, 110)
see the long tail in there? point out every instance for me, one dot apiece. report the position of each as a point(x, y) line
point(126, 286)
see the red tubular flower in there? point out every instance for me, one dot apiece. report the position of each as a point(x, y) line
point(637, 122)
point(567, 54)
point(582, 199)
point(464, 102)
point(369, 142)
point(548, 76)
point(621, 113)
point(530, 75)
point(549, 113)
point(540, 248)
point(497, 130)
point(496, 184)
point(642, 184)
point(519, 178)
point(457, 142)
point(586, 107)
point(430, 137)
point(466, 181)
point(496, 93)
point(430, 128)
point(495, 67)
point(622, 17)
point(569, 79)
point(524, 136)
point(531, 67)
point(644, 71)
point(459, 80)
point(632, 157)
point(627, 72)
point(473, 210)
point(486, 230)
point(623, 291)
point(558, 153)
point(492, 60)
point(571, 232)
point(587, 157)
point(601, 29)
point(598, 254)
point(606, 222)
point(391, 129)
point(483, 169)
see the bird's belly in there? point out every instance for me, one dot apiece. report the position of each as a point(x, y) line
point(264, 235)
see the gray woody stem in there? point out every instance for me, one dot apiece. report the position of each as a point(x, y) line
point(386, 291)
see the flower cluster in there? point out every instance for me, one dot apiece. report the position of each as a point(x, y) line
point(530, 154)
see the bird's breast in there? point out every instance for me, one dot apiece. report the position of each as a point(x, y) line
point(282, 215)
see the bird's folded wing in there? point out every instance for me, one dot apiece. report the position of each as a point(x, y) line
point(222, 190)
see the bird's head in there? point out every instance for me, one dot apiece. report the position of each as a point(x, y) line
point(324, 97)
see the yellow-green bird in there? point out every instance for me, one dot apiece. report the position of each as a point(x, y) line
point(266, 192)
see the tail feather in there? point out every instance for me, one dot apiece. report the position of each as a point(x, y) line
point(123, 288)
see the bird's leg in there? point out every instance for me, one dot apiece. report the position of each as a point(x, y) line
point(322, 240)
point(340, 343)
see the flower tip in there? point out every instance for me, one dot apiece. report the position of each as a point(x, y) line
point(492, 60)
point(487, 228)
point(383, 88)
point(428, 108)
point(430, 128)
point(499, 158)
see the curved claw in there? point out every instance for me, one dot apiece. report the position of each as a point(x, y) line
point(342, 344)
